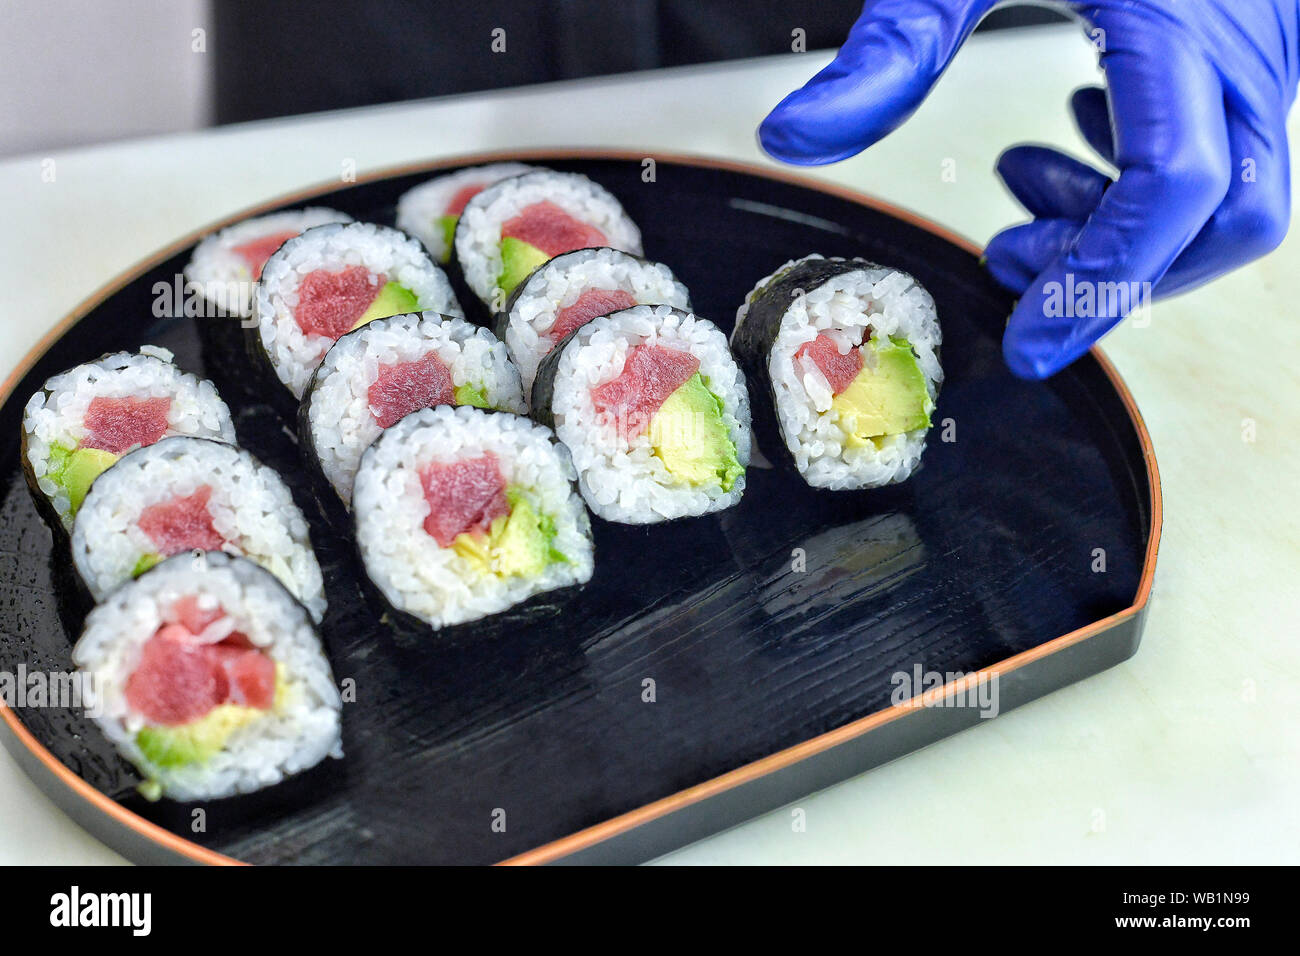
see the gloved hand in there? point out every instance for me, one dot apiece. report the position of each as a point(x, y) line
point(1198, 96)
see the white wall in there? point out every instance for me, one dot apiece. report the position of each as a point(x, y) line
point(84, 71)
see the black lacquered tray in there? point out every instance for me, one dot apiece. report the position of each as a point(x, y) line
point(714, 668)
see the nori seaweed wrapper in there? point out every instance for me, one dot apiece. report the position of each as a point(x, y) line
point(752, 341)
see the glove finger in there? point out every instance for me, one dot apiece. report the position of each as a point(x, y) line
point(1253, 219)
point(890, 60)
point(1016, 256)
point(1172, 150)
point(1050, 184)
point(1251, 222)
point(1092, 116)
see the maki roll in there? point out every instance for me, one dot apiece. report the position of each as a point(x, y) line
point(333, 279)
point(846, 352)
point(383, 371)
point(462, 513)
point(570, 291)
point(654, 410)
point(84, 419)
point(209, 677)
point(431, 210)
point(226, 264)
point(192, 494)
point(511, 228)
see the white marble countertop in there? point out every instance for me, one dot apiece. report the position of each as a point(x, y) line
point(1189, 752)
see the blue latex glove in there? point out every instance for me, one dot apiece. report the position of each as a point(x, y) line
point(1195, 123)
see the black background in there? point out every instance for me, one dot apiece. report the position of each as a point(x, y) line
point(280, 57)
point(943, 907)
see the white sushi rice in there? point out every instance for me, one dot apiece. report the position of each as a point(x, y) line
point(57, 413)
point(886, 301)
point(623, 479)
point(406, 563)
point(478, 235)
point(419, 209)
point(559, 283)
point(294, 354)
point(300, 731)
point(250, 505)
point(222, 276)
point(338, 402)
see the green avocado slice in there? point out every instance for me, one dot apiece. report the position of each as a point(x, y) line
point(519, 259)
point(889, 399)
point(522, 542)
point(147, 561)
point(199, 740)
point(393, 299)
point(75, 469)
point(692, 440)
point(448, 226)
point(523, 547)
point(468, 394)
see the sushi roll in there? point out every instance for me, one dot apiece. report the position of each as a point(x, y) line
point(431, 210)
point(462, 513)
point(383, 371)
point(571, 290)
point(226, 264)
point(654, 410)
point(845, 353)
point(511, 228)
point(336, 278)
point(209, 677)
point(192, 494)
point(84, 419)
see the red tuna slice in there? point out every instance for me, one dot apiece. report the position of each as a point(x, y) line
point(650, 374)
point(551, 229)
point(193, 618)
point(330, 303)
point(116, 424)
point(404, 387)
point(462, 198)
point(840, 370)
point(249, 675)
point(238, 639)
point(463, 496)
point(586, 307)
point(182, 524)
point(179, 680)
point(175, 681)
point(256, 251)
